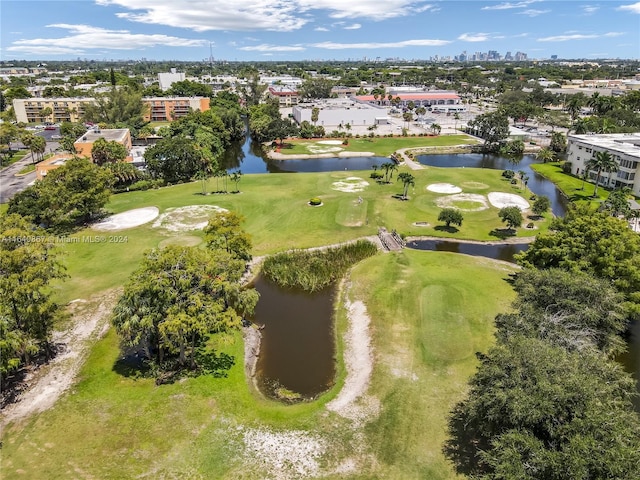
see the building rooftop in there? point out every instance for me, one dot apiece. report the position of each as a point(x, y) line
point(109, 134)
point(626, 143)
point(413, 96)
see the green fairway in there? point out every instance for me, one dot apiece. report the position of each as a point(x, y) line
point(430, 312)
point(278, 218)
point(382, 146)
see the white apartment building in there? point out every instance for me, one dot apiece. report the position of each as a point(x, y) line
point(167, 79)
point(623, 147)
point(334, 112)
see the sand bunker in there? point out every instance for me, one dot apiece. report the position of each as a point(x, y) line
point(350, 185)
point(466, 199)
point(317, 149)
point(130, 219)
point(330, 142)
point(183, 219)
point(501, 200)
point(443, 188)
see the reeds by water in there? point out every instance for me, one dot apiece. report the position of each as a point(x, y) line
point(314, 270)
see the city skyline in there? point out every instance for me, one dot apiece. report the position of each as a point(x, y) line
point(253, 30)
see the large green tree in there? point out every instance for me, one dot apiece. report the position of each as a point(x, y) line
point(67, 197)
point(536, 411)
point(28, 265)
point(174, 159)
point(177, 298)
point(512, 216)
point(118, 107)
point(224, 232)
point(492, 127)
point(315, 88)
point(592, 242)
point(104, 151)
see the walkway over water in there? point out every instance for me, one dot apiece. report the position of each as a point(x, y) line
point(391, 242)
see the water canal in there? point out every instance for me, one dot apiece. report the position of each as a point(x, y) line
point(297, 348)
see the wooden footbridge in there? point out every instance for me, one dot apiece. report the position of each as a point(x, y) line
point(391, 241)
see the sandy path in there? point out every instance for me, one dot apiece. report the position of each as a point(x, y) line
point(90, 322)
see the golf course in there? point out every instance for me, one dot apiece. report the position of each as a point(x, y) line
point(422, 318)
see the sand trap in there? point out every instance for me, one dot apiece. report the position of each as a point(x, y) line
point(183, 219)
point(443, 188)
point(130, 219)
point(350, 185)
point(316, 149)
point(450, 201)
point(502, 199)
point(330, 142)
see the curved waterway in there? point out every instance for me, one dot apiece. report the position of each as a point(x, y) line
point(496, 251)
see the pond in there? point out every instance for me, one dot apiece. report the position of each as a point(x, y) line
point(297, 350)
point(246, 155)
point(537, 183)
point(497, 251)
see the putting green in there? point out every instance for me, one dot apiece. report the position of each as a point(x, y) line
point(445, 341)
point(474, 185)
point(182, 241)
point(351, 212)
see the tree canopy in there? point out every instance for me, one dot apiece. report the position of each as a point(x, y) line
point(104, 151)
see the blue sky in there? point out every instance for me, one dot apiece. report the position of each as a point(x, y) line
point(315, 29)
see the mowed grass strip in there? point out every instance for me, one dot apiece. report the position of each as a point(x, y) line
point(379, 146)
point(112, 425)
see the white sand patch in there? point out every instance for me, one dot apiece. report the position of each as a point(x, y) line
point(283, 455)
point(350, 185)
point(351, 402)
point(502, 199)
point(129, 219)
point(443, 188)
point(451, 200)
point(330, 142)
point(182, 219)
point(316, 149)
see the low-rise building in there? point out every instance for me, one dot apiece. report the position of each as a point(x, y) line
point(84, 144)
point(51, 163)
point(334, 112)
point(425, 99)
point(63, 109)
point(287, 96)
point(163, 109)
point(623, 147)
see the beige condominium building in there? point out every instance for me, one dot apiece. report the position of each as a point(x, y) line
point(38, 110)
point(623, 147)
point(166, 109)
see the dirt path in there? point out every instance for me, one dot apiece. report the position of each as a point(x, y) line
point(48, 383)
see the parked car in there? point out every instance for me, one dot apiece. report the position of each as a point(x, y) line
point(56, 137)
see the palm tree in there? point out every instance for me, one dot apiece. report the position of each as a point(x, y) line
point(436, 128)
point(406, 179)
point(601, 162)
point(581, 126)
point(545, 155)
point(388, 167)
point(456, 117)
point(236, 177)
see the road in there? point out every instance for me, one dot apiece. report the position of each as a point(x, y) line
point(9, 183)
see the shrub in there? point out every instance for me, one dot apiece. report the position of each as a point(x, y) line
point(508, 174)
point(345, 142)
point(530, 225)
point(315, 201)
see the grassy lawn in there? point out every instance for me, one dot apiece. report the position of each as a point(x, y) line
point(279, 218)
point(19, 155)
point(430, 313)
point(159, 124)
point(28, 169)
point(383, 146)
point(572, 186)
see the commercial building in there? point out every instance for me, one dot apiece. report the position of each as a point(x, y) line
point(334, 112)
point(84, 144)
point(163, 109)
point(623, 147)
point(167, 79)
point(425, 99)
point(51, 163)
point(31, 110)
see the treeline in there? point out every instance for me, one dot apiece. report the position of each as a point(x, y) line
point(317, 269)
point(549, 401)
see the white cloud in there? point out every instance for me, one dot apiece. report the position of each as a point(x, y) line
point(579, 36)
point(44, 50)
point(634, 7)
point(321, 29)
point(405, 43)
point(532, 12)
point(590, 9)
point(275, 15)
point(86, 37)
point(204, 15)
point(510, 5)
point(265, 47)
point(355, 26)
point(474, 37)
